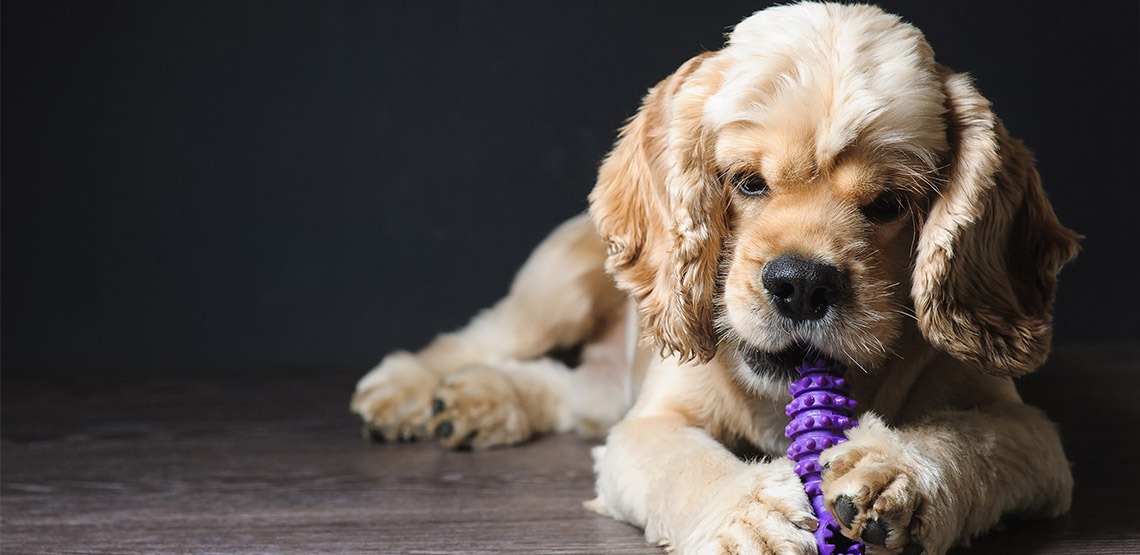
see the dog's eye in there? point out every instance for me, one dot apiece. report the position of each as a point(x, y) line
point(886, 207)
point(752, 185)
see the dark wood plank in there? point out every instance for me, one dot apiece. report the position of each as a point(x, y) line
point(241, 465)
point(116, 463)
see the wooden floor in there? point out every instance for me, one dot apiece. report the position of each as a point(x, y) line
point(236, 463)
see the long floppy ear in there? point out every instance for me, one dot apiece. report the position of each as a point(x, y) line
point(661, 210)
point(991, 247)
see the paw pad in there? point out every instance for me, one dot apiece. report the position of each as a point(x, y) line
point(444, 429)
point(874, 532)
point(845, 510)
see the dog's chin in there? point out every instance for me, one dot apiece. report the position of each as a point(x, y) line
point(780, 364)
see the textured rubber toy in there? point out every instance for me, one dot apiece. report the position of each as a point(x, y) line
point(820, 411)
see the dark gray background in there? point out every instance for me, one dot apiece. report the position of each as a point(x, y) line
point(255, 184)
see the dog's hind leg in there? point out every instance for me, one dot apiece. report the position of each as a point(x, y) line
point(560, 301)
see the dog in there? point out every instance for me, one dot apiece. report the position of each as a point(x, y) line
point(820, 186)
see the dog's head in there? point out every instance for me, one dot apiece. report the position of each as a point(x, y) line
point(817, 182)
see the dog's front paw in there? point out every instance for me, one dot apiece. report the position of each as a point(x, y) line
point(478, 407)
point(875, 493)
point(394, 399)
point(764, 512)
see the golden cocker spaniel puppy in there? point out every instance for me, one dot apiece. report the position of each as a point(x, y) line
point(819, 185)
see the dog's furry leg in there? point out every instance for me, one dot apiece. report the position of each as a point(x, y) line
point(947, 478)
point(483, 406)
point(686, 490)
point(561, 297)
point(664, 468)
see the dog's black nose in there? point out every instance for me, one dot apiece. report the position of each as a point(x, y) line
point(803, 290)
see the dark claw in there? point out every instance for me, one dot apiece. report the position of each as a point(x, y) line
point(375, 436)
point(845, 510)
point(444, 429)
point(874, 532)
point(436, 406)
point(912, 549)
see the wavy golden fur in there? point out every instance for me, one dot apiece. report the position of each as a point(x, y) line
point(662, 201)
point(826, 135)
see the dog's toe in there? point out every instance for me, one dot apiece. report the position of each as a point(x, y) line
point(393, 399)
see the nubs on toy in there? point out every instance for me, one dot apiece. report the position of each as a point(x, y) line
point(820, 411)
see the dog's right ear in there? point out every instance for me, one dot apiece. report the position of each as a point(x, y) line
point(662, 215)
point(991, 247)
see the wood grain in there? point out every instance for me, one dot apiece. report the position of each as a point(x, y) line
point(261, 462)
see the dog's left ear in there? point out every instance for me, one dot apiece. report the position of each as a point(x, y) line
point(661, 209)
point(991, 246)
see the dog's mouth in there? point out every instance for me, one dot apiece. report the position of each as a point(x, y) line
point(779, 364)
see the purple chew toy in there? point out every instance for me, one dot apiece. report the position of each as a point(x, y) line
point(820, 411)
